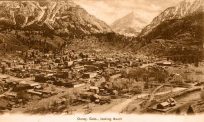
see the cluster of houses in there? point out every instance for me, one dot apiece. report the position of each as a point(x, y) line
point(67, 69)
point(16, 93)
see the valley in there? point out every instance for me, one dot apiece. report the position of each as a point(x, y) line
point(56, 58)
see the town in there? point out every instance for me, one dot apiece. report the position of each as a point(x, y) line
point(72, 57)
point(74, 82)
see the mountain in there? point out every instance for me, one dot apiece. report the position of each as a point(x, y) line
point(60, 16)
point(177, 33)
point(128, 25)
point(45, 25)
point(54, 25)
point(185, 33)
point(183, 9)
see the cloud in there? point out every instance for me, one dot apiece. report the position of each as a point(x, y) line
point(110, 10)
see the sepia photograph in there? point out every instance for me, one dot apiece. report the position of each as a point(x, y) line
point(101, 60)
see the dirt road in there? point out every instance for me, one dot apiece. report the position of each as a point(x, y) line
point(120, 107)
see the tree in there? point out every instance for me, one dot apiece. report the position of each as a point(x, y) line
point(3, 69)
point(136, 89)
point(190, 110)
point(202, 95)
point(133, 73)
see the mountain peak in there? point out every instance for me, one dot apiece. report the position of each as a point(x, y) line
point(130, 24)
point(132, 15)
point(176, 28)
point(184, 8)
point(59, 15)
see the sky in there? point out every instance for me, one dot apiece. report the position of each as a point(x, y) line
point(111, 10)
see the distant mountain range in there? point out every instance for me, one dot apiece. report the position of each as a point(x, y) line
point(176, 28)
point(45, 25)
point(62, 16)
point(129, 25)
point(183, 9)
point(63, 21)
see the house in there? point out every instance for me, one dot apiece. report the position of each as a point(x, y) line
point(172, 102)
point(167, 63)
point(94, 89)
point(166, 105)
point(163, 105)
point(164, 63)
point(89, 75)
point(79, 85)
point(90, 68)
point(36, 85)
point(69, 63)
point(32, 92)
